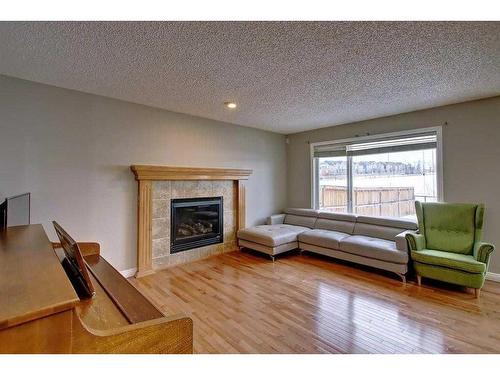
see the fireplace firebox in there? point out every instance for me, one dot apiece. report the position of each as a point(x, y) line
point(195, 222)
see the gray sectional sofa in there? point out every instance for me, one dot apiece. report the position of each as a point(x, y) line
point(373, 241)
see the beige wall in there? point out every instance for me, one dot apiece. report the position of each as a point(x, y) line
point(72, 151)
point(471, 155)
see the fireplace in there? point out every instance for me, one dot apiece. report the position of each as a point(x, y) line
point(195, 222)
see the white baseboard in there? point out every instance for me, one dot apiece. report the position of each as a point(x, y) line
point(131, 272)
point(489, 275)
point(493, 276)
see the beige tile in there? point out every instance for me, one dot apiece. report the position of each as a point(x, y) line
point(230, 237)
point(211, 250)
point(181, 189)
point(161, 262)
point(229, 226)
point(175, 258)
point(230, 246)
point(197, 255)
point(224, 188)
point(162, 189)
point(228, 203)
point(218, 189)
point(190, 255)
point(205, 189)
point(161, 208)
point(161, 247)
point(160, 228)
point(219, 248)
point(192, 189)
point(228, 219)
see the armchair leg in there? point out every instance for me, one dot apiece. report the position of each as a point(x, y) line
point(419, 280)
point(272, 257)
point(477, 292)
point(402, 276)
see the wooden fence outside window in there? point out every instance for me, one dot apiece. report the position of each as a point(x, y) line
point(372, 201)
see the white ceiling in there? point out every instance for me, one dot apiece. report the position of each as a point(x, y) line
point(285, 76)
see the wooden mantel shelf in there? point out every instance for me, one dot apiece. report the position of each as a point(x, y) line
point(158, 173)
point(146, 174)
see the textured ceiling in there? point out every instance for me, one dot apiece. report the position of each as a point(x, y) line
point(285, 76)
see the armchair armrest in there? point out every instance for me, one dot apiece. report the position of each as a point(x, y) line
point(482, 251)
point(276, 219)
point(416, 241)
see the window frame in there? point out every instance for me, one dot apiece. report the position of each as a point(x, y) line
point(314, 180)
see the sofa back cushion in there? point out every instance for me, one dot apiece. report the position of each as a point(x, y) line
point(336, 221)
point(382, 227)
point(303, 217)
point(448, 226)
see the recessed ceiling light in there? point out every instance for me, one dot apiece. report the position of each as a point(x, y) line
point(230, 105)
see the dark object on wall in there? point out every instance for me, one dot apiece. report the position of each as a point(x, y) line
point(15, 211)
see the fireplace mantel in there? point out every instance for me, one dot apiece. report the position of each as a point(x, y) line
point(158, 173)
point(146, 174)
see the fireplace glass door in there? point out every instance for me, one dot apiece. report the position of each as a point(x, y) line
point(195, 222)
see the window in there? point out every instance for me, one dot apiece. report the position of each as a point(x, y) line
point(378, 175)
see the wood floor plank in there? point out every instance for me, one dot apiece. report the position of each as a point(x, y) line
point(242, 302)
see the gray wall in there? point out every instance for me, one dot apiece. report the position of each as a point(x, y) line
point(72, 151)
point(471, 155)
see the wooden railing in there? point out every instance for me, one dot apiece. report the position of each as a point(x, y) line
point(373, 201)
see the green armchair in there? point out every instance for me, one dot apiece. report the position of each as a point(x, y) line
point(448, 244)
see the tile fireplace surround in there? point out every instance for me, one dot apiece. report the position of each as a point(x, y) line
point(158, 185)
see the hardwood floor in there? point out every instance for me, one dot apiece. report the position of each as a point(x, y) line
point(242, 302)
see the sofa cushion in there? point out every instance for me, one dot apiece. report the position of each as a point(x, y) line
point(382, 227)
point(271, 235)
point(302, 212)
point(377, 231)
point(336, 221)
point(402, 223)
point(324, 238)
point(375, 248)
point(336, 216)
point(301, 221)
point(456, 261)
